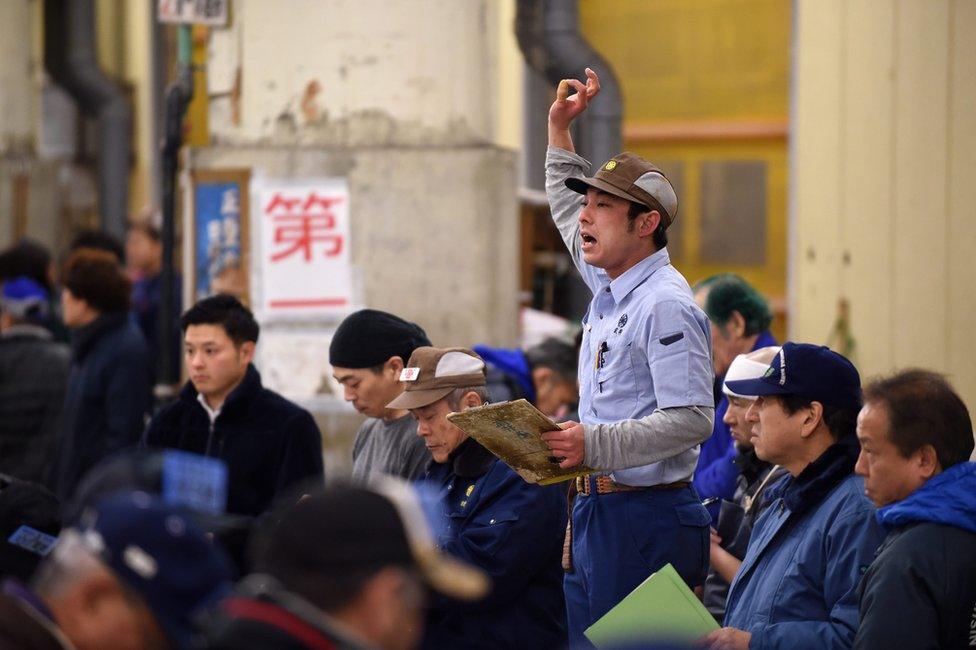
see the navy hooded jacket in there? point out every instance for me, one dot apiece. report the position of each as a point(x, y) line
point(920, 591)
point(513, 531)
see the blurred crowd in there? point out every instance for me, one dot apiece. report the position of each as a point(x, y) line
point(802, 508)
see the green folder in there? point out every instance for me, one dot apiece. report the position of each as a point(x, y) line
point(662, 608)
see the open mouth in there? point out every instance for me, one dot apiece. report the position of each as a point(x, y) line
point(588, 240)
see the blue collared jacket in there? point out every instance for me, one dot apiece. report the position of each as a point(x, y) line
point(513, 531)
point(797, 585)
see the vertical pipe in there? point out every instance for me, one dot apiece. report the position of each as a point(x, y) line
point(178, 96)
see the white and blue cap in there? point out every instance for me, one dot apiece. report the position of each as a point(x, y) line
point(24, 299)
point(161, 554)
point(812, 371)
point(742, 367)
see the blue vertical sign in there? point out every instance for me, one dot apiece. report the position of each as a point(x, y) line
point(217, 207)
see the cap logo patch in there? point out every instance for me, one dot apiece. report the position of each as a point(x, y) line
point(610, 166)
point(782, 367)
point(140, 562)
point(409, 374)
point(94, 541)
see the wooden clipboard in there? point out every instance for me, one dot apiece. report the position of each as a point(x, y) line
point(511, 431)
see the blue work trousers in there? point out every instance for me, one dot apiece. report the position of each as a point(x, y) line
point(620, 539)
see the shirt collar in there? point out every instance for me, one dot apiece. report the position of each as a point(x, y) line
point(638, 273)
point(211, 413)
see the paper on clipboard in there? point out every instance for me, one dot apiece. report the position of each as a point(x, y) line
point(511, 431)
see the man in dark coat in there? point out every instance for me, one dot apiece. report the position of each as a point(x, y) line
point(916, 439)
point(268, 443)
point(345, 569)
point(511, 529)
point(109, 385)
point(33, 378)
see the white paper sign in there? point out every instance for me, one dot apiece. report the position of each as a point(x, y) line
point(304, 229)
point(193, 12)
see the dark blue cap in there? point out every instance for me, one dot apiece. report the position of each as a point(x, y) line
point(812, 371)
point(24, 298)
point(161, 554)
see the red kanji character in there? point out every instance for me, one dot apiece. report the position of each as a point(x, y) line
point(300, 230)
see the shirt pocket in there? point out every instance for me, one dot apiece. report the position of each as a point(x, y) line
point(488, 532)
point(616, 382)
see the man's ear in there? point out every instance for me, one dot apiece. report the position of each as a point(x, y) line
point(92, 592)
point(395, 365)
point(813, 416)
point(470, 400)
point(247, 349)
point(736, 324)
point(647, 223)
point(928, 461)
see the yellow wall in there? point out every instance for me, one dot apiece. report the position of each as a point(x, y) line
point(884, 173)
point(706, 80)
point(695, 59)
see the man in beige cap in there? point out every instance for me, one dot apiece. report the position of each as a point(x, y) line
point(645, 375)
point(494, 520)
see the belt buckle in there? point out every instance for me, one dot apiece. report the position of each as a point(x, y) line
point(583, 485)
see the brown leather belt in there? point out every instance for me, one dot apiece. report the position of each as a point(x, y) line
point(606, 485)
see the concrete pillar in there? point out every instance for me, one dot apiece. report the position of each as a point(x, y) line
point(401, 98)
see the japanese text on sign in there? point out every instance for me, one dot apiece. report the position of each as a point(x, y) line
point(304, 225)
point(305, 247)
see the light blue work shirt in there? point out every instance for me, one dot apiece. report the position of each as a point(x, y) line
point(646, 344)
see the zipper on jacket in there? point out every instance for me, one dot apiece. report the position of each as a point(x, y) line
point(209, 438)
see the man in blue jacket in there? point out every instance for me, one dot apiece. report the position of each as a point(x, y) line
point(916, 439)
point(544, 374)
point(510, 529)
point(796, 587)
point(269, 444)
point(740, 319)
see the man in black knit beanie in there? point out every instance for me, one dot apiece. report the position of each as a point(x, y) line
point(368, 353)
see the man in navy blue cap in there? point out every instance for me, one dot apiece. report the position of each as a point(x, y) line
point(134, 573)
point(797, 584)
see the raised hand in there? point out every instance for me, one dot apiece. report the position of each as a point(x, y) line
point(567, 107)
